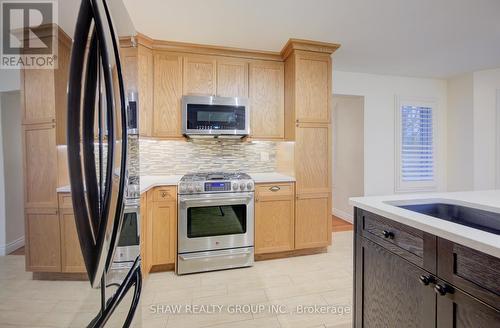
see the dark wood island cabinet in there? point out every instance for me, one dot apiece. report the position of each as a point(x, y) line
point(404, 277)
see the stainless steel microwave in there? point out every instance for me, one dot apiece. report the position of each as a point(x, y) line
point(210, 116)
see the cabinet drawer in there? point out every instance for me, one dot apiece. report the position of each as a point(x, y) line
point(412, 244)
point(274, 190)
point(65, 200)
point(476, 273)
point(165, 194)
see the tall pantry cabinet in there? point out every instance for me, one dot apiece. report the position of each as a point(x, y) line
point(308, 92)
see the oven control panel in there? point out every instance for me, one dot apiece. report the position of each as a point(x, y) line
point(218, 186)
point(215, 186)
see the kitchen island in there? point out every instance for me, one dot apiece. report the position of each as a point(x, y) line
point(418, 270)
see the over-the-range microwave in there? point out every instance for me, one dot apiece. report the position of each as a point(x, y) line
point(211, 116)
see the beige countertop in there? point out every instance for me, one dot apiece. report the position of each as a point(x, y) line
point(482, 241)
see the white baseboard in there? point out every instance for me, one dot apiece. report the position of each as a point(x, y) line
point(343, 215)
point(12, 246)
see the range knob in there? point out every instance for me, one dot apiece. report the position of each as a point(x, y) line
point(242, 185)
point(190, 187)
point(235, 186)
point(199, 188)
point(249, 185)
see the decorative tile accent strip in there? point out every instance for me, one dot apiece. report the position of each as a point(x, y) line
point(162, 157)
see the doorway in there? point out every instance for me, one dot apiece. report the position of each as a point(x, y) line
point(348, 154)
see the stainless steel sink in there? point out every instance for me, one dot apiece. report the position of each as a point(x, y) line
point(467, 216)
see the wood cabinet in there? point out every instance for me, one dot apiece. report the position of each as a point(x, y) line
point(274, 218)
point(167, 94)
point(312, 221)
point(43, 240)
point(71, 254)
point(39, 92)
point(40, 165)
point(163, 226)
point(199, 75)
point(232, 78)
point(405, 277)
point(145, 242)
point(267, 100)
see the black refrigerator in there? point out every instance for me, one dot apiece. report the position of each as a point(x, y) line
point(97, 152)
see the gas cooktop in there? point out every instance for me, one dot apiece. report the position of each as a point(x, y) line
point(215, 182)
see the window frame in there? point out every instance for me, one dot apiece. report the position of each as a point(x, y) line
point(415, 186)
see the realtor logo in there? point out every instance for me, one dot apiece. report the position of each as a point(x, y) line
point(29, 34)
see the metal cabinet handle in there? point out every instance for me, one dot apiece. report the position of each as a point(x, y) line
point(426, 280)
point(274, 189)
point(388, 234)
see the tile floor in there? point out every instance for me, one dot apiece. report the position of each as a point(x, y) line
point(270, 294)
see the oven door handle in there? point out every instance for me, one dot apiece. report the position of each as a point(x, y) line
point(188, 257)
point(215, 201)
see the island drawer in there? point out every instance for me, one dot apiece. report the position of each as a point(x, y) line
point(407, 242)
point(475, 272)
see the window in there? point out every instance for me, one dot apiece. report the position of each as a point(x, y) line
point(416, 139)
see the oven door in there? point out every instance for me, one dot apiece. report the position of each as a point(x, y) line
point(215, 221)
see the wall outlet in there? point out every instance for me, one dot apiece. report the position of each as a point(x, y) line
point(264, 156)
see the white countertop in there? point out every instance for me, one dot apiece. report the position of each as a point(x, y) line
point(150, 181)
point(486, 242)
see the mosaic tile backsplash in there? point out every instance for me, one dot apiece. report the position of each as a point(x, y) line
point(162, 157)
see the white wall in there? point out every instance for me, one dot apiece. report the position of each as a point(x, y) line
point(486, 84)
point(460, 116)
point(379, 112)
point(348, 152)
point(9, 79)
point(12, 169)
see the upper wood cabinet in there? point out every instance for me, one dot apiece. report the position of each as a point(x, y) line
point(232, 78)
point(39, 104)
point(145, 90)
point(199, 75)
point(167, 94)
point(40, 166)
point(313, 87)
point(267, 99)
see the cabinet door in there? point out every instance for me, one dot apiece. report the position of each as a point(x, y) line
point(71, 254)
point(145, 236)
point(388, 291)
point(312, 158)
point(199, 75)
point(167, 95)
point(145, 90)
point(43, 241)
point(460, 310)
point(274, 218)
point(39, 101)
point(40, 166)
point(164, 232)
point(313, 88)
point(267, 99)
point(232, 78)
point(312, 221)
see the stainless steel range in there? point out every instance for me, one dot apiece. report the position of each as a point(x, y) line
point(216, 222)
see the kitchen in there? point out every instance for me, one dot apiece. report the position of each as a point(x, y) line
point(228, 160)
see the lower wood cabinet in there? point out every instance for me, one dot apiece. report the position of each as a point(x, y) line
point(312, 221)
point(43, 240)
point(71, 254)
point(274, 218)
point(162, 222)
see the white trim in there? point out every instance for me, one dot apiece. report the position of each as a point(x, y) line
point(349, 217)
point(399, 185)
point(497, 148)
point(12, 246)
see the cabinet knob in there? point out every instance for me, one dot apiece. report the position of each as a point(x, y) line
point(388, 234)
point(275, 188)
point(163, 194)
point(443, 289)
point(426, 280)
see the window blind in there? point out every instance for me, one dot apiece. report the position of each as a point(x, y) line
point(417, 153)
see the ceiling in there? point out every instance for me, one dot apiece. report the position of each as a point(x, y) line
point(422, 38)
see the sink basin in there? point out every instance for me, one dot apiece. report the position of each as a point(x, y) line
point(467, 216)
